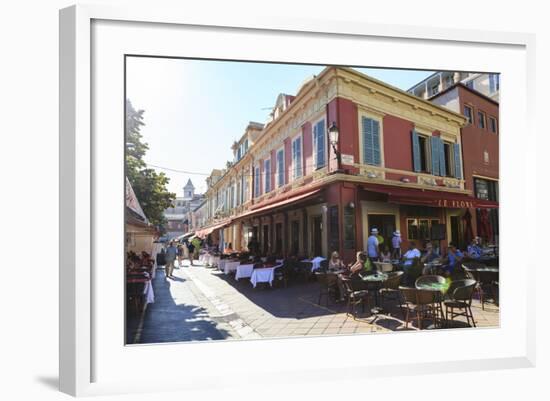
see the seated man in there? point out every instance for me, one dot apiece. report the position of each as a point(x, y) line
point(474, 250)
point(411, 254)
point(429, 256)
point(454, 257)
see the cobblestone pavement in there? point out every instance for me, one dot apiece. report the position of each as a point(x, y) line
point(205, 304)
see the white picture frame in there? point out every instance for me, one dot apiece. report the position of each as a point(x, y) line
point(91, 362)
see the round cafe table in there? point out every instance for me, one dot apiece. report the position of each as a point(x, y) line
point(376, 281)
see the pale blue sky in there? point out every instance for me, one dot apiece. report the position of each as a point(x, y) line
point(195, 109)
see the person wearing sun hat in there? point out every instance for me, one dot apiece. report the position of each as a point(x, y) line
point(396, 245)
point(372, 245)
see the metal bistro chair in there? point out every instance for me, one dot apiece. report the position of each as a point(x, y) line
point(437, 295)
point(282, 273)
point(303, 270)
point(460, 294)
point(419, 302)
point(354, 297)
point(391, 285)
point(327, 285)
point(487, 282)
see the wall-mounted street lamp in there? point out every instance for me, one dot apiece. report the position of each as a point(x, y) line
point(334, 135)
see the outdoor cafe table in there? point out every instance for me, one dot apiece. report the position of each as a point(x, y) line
point(147, 288)
point(263, 275)
point(376, 280)
point(315, 262)
point(244, 271)
point(231, 266)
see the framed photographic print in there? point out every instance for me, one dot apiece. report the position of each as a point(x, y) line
point(254, 193)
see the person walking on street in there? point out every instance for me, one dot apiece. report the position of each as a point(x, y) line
point(171, 253)
point(191, 249)
point(180, 255)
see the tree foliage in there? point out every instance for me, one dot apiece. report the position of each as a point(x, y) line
point(149, 186)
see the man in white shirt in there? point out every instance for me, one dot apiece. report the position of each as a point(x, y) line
point(412, 253)
point(372, 245)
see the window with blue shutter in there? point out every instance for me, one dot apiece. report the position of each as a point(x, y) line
point(371, 141)
point(416, 151)
point(280, 168)
point(458, 161)
point(257, 182)
point(267, 171)
point(319, 143)
point(297, 157)
point(442, 162)
point(435, 155)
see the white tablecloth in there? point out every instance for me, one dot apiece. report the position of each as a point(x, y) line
point(263, 275)
point(230, 266)
point(244, 271)
point(316, 262)
point(148, 292)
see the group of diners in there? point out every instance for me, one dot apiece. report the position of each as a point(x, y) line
point(429, 257)
point(140, 270)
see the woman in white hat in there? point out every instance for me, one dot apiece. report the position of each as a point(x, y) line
point(396, 245)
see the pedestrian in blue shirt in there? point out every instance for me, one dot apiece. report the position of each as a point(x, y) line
point(372, 245)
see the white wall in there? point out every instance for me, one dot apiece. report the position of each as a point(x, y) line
point(28, 162)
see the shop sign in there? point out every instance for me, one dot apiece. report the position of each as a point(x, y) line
point(347, 159)
point(455, 203)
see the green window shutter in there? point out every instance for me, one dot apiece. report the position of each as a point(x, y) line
point(442, 169)
point(458, 161)
point(371, 141)
point(376, 143)
point(367, 140)
point(319, 143)
point(435, 155)
point(416, 151)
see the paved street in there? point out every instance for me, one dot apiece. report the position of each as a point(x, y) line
point(204, 304)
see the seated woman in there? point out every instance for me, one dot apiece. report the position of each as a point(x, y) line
point(335, 263)
point(385, 255)
point(353, 273)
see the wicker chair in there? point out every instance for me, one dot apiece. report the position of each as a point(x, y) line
point(419, 302)
point(391, 285)
point(324, 265)
point(303, 270)
point(460, 294)
point(487, 282)
point(327, 285)
point(354, 297)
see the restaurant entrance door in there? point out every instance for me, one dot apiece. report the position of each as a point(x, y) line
point(385, 223)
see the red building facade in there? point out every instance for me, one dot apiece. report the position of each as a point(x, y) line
point(401, 169)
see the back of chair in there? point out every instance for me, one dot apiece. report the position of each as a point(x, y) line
point(324, 265)
point(462, 290)
point(430, 279)
point(409, 294)
point(305, 266)
point(393, 280)
point(472, 265)
point(426, 297)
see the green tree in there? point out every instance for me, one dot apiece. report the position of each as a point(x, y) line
point(149, 186)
